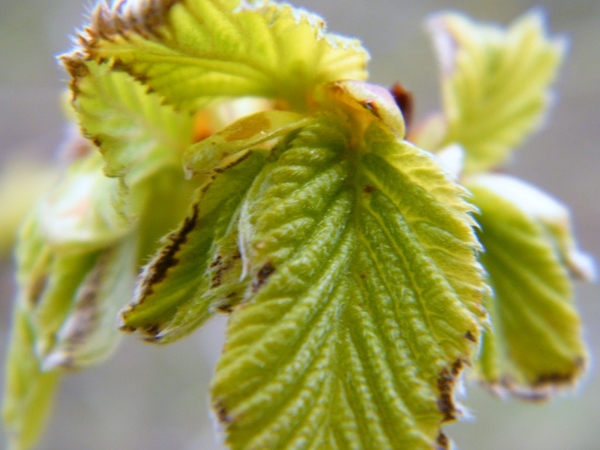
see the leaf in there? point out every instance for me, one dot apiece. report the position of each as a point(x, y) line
point(495, 83)
point(364, 301)
point(85, 210)
point(534, 345)
point(62, 319)
point(248, 132)
point(88, 335)
point(195, 51)
point(136, 134)
point(28, 179)
point(29, 392)
point(184, 283)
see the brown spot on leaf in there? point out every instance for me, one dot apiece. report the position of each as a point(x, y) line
point(220, 269)
point(368, 189)
point(442, 442)
point(224, 308)
point(470, 336)
point(446, 382)
point(151, 330)
point(222, 413)
point(217, 261)
point(263, 275)
point(363, 276)
point(405, 102)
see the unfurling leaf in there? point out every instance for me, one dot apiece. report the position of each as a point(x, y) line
point(495, 83)
point(182, 286)
point(88, 335)
point(364, 294)
point(195, 51)
point(534, 345)
point(85, 209)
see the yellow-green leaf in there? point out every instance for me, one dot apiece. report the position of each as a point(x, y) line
point(135, 133)
point(85, 210)
point(88, 335)
point(364, 300)
point(534, 345)
point(251, 131)
point(195, 51)
point(495, 83)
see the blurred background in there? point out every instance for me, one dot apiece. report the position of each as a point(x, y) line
point(156, 398)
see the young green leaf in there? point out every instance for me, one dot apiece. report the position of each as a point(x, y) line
point(141, 142)
point(183, 284)
point(365, 293)
point(85, 210)
point(495, 83)
point(88, 335)
point(29, 390)
point(195, 51)
point(136, 134)
point(534, 345)
point(251, 131)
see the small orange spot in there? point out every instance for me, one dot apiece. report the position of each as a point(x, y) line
point(202, 128)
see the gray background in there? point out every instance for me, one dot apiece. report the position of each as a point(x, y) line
point(155, 398)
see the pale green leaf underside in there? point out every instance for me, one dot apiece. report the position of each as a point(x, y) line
point(194, 51)
point(495, 83)
point(534, 344)
point(353, 333)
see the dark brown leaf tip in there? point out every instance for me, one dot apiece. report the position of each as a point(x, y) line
point(470, 336)
point(222, 413)
point(123, 19)
point(442, 442)
point(541, 388)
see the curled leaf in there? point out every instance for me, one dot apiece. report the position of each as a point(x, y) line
point(534, 345)
point(88, 335)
